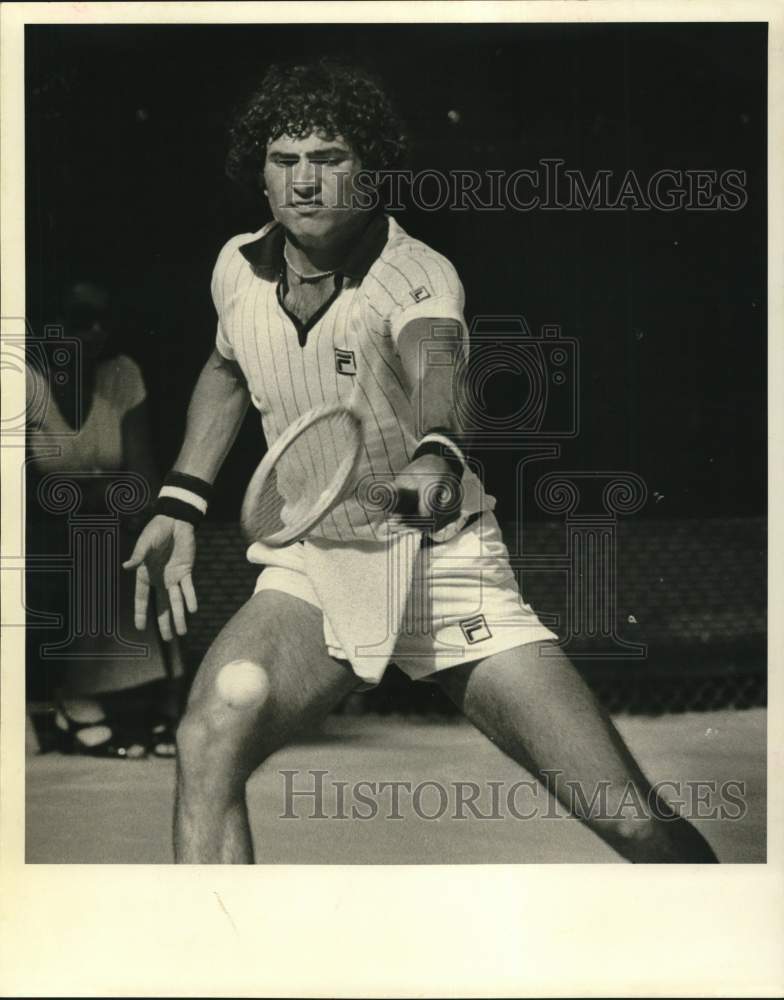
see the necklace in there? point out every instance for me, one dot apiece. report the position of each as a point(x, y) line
point(306, 277)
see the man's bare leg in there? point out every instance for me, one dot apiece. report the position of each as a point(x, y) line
point(223, 739)
point(540, 712)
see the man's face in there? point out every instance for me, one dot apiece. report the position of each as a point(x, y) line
point(309, 183)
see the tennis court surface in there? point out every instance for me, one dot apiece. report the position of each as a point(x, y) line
point(86, 811)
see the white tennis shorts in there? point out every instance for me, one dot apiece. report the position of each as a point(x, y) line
point(463, 605)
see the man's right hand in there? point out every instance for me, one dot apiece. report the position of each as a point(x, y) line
point(163, 559)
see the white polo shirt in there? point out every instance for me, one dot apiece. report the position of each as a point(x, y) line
point(346, 353)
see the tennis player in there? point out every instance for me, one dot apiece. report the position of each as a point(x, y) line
point(332, 302)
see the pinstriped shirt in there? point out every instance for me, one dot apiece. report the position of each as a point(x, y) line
point(346, 353)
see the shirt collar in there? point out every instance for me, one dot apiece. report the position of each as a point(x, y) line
point(265, 252)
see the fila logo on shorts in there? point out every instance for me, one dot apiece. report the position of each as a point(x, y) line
point(475, 629)
point(420, 294)
point(344, 362)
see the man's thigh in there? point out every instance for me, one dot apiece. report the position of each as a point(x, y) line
point(285, 636)
point(534, 705)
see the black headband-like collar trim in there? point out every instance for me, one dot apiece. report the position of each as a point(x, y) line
point(265, 253)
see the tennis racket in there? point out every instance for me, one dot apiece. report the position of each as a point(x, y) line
point(313, 464)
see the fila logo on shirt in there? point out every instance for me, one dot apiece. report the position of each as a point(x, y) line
point(344, 362)
point(475, 629)
point(420, 294)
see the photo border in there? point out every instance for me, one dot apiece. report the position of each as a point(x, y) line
point(527, 930)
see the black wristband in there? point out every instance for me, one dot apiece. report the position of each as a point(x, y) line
point(195, 485)
point(184, 497)
point(179, 509)
point(441, 444)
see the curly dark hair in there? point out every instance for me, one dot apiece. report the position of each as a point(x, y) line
point(328, 97)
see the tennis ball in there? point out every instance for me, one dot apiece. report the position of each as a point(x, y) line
point(243, 684)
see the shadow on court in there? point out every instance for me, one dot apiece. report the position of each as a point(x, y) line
point(88, 811)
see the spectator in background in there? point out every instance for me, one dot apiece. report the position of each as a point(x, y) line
point(95, 421)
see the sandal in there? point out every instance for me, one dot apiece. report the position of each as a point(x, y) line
point(162, 742)
point(70, 739)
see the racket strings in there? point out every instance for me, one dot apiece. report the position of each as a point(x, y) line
point(308, 466)
point(309, 478)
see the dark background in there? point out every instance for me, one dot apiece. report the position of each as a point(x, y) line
point(125, 147)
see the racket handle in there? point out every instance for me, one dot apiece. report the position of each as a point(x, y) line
point(407, 502)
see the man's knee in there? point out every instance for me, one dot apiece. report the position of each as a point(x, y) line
point(221, 722)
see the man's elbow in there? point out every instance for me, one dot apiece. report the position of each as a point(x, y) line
point(220, 365)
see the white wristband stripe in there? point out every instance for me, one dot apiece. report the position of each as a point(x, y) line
point(442, 439)
point(187, 496)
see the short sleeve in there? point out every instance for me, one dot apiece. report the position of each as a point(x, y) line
point(415, 284)
point(220, 274)
point(223, 345)
point(129, 388)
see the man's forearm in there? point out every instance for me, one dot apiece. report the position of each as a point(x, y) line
point(215, 414)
